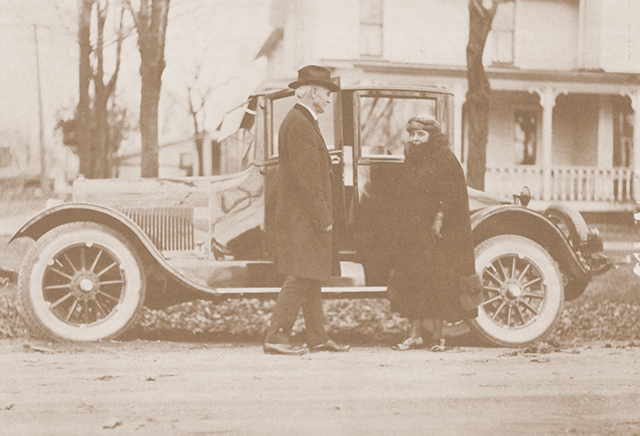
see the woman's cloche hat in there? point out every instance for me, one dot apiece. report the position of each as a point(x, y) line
point(314, 75)
point(424, 122)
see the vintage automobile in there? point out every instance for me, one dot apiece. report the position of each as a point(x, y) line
point(121, 244)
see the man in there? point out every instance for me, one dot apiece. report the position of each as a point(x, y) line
point(304, 217)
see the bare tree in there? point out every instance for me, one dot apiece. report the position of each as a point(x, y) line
point(94, 130)
point(151, 21)
point(83, 111)
point(198, 95)
point(481, 14)
point(197, 99)
point(103, 160)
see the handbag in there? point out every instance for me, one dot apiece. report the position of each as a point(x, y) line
point(471, 292)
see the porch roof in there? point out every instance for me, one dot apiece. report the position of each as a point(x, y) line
point(504, 78)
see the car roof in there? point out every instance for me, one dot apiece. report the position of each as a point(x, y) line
point(417, 88)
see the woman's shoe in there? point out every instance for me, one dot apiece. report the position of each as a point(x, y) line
point(439, 346)
point(408, 344)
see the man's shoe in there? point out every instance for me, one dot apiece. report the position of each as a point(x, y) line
point(284, 349)
point(330, 345)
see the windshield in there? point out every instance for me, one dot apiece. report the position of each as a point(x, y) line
point(236, 139)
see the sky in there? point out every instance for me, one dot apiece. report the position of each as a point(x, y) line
point(222, 37)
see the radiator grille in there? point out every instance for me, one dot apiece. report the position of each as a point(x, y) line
point(170, 228)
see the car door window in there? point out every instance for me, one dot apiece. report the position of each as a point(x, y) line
point(383, 120)
point(280, 107)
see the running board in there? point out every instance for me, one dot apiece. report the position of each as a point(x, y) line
point(327, 292)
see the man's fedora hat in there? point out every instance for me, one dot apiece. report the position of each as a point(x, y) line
point(314, 75)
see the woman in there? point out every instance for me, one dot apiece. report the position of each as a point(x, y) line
point(432, 246)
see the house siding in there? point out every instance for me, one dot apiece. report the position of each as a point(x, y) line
point(575, 64)
point(547, 34)
point(620, 50)
point(433, 32)
point(575, 133)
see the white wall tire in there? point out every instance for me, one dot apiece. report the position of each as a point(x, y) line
point(81, 282)
point(523, 291)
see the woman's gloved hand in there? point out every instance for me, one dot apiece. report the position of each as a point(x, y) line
point(436, 227)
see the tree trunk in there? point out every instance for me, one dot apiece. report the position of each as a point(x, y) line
point(149, 102)
point(199, 151)
point(477, 104)
point(199, 139)
point(83, 111)
point(152, 29)
point(99, 155)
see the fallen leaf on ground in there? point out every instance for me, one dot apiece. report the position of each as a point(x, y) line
point(106, 377)
point(38, 348)
point(112, 423)
point(540, 360)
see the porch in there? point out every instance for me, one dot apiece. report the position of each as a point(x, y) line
point(587, 188)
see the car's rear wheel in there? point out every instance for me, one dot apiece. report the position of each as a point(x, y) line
point(523, 291)
point(81, 282)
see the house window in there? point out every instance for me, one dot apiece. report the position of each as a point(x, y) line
point(501, 36)
point(525, 136)
point(186, 163)
point(622, 132)
point(464, 151)
point(371, 27)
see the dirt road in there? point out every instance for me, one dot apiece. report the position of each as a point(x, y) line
point(169, 388)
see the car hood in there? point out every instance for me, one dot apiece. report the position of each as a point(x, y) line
point(480, 199)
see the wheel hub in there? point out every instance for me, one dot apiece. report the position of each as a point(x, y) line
point(85, 285)
point(513, 291)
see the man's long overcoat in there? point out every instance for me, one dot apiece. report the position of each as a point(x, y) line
point(304, 198)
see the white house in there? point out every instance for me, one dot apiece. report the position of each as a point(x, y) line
point(565, 79)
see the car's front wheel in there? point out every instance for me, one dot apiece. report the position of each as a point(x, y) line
point(81, 282)
point(523, 291)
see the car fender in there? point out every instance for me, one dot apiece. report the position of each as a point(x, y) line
point(519, 220)
point(75, 212)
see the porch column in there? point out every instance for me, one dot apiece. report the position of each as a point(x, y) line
point(548, 102)
point(459, 97)
point(635, 105)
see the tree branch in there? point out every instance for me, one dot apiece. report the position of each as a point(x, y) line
point(114, 76)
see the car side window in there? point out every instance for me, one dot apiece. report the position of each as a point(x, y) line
point(280, 107)
point(383, 120)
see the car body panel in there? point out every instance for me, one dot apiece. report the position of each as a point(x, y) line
point(214, 234)
point(77, 212)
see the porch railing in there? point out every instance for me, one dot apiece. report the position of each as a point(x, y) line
point(506, 181)
point(568, 183)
